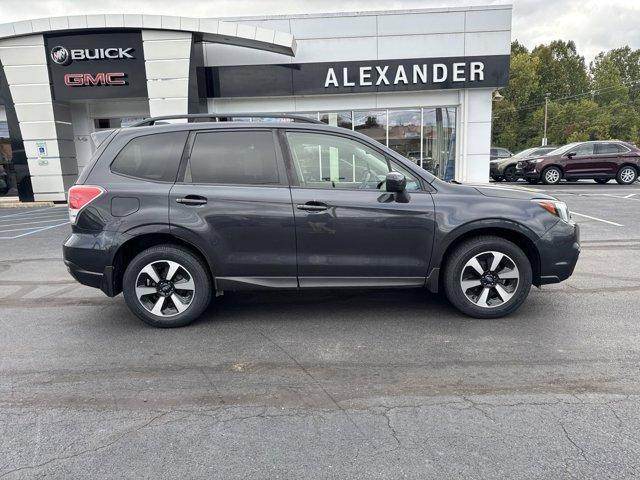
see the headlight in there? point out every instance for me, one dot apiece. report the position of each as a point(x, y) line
point(495, 160)
point(554, 207)
point(537, 160)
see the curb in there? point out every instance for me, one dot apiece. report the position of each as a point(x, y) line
point(19, 204)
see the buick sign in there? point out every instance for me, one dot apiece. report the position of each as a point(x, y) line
point(60, 55)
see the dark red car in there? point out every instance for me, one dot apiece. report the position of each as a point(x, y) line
point(600, 161)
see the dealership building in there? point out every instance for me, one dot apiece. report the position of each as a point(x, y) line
point(420, 81)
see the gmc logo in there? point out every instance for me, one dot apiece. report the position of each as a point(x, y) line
point(92, 79)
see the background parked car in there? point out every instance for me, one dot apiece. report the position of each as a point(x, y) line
point(599, 160)
point(505, 168)
point(499, 152)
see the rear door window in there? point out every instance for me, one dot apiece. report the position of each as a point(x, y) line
point(235, 158)
point(151, 157)
point(609, 148)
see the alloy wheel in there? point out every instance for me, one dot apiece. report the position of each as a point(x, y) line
point(552, 175)
point(165, 288)
point(627, 175)
point(489, 279)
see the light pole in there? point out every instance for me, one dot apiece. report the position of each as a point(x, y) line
point(546, 106)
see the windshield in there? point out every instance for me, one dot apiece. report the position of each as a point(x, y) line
point(524, 153)
point(561, 150)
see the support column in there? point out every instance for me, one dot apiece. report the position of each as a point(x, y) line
point(476, 136)
point(45, 125)
point(167, 59)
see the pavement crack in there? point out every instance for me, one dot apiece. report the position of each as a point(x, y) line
point(316, 382)
point(572, 442)
point(88, 450)
point(476, 406)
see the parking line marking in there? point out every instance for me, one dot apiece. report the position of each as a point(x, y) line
point(7, 218)
point(53, 220)
point(630, 195)
point(30, 212)
point(19, 229)
point(33, 232)
point(597, 219)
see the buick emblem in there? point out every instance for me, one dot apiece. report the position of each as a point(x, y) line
point(60, 55)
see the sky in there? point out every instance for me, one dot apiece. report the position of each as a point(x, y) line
point(594, 25)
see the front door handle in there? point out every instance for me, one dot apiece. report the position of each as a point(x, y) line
point(313, 206)
point(192, 200)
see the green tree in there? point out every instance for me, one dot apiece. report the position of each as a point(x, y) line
point(599, 102)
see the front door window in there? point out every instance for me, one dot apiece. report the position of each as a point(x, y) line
point(329, 161)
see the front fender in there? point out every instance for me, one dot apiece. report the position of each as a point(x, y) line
point(487, 226)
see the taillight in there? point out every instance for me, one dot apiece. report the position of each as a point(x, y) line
point(79, 197)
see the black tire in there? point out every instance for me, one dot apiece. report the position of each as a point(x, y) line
point(497, 179)
point(627, 175)
point(601, 181)
point(551, 176)
point(192, 267)
point(453, 276)
point(510, 174)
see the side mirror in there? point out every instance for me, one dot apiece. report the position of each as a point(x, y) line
point(395, 182)
point(571, 154)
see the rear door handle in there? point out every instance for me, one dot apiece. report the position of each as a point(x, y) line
point(192, 200)
point(313, 206)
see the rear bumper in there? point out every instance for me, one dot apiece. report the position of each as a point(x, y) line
point(559, 250)
point(89, 259)
point(103, 281)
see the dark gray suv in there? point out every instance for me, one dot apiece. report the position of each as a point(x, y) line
point(172, 214)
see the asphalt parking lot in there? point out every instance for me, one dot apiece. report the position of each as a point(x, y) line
point(339, 384)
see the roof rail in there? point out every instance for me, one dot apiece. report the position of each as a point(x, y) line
point(222, 117)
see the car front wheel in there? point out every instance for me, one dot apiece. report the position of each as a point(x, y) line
point(510, 174)
point(487, 277)
point(166, 286)
point(626, 175)
point(551, 176)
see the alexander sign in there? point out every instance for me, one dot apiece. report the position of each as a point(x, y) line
point(96, 65)
point(358, 77)
point(418, 74)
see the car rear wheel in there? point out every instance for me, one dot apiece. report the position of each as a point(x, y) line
point(601, 181)
point(510, 174)
point(487, 277)
point(627, 175)
point(166, 286)
point(551, 176)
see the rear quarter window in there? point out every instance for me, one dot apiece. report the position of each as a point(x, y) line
point(153, 157)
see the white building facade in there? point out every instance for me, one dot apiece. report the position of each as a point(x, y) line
point(419, 81)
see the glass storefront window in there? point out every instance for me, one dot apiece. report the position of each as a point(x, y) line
point(337, 119)
point(7, 176)
point(372, 123)
point(426, 136)
point(404, 133)
point(439, 141)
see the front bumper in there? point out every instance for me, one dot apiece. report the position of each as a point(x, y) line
point(559, 250)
